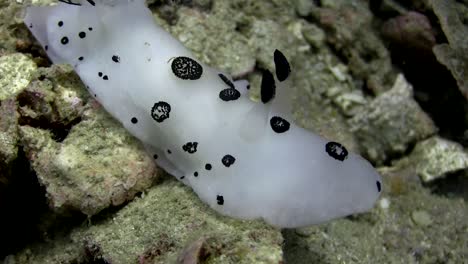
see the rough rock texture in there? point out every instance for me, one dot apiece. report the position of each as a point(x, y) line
point(8, 132)
point(391, 122)
point(412, 30)
point(349, 31)
point(8, 143)
point(15, 74)
point(84, 158)
point(165, 225)
point(434, 158)
point(88, 173)
point(412, 36)
point(10, 18)
point(205, 45)
point(454, 54)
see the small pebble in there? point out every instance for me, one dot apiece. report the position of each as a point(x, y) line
point(421, 218)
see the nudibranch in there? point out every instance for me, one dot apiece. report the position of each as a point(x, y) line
point(245, 159)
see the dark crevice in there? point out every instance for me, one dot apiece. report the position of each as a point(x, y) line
point(22, 202)
point(435, 90)
point(318, 3)
point(46, 118)
point(391, 157)
point(452, 185)
point(93, 254)
point(26, 219)
point(296, 250)
point(340, 54)
point(59, 130)
point(26, 43)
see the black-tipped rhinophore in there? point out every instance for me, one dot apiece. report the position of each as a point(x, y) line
point(268, 87)
point(282, 66)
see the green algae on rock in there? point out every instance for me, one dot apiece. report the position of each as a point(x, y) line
point(8, 132)
point(165, 225)
point(16, 71)
point(169, 217)
point(85, 159)
point(89, 170)
point(8, 143)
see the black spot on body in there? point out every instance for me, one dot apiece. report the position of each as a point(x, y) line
point(279, 125)
point(100, 74)
point(379, 186)
point(31, 25)
point(190, 147)
point(208, 166)
point(336, 151)
point(220, 199)
point(90, 29)
point(182, 177)
point(229, 94)
point(160, 111)
point(64, 41)
point(91, 2)
point(169, 151)
point(226, 80)
point(186, 68)
point(134, 120)
point(82, 34)
point(46, 47)
point(268, 87)
point(195, 174)
point(105, 77)
point(155, 156)
point(116, 58)
point(282, 66)
point(80, 58)
point(228, 160)
point(60, 23)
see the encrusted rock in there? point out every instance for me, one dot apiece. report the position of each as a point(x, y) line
point(91, 169)
point(391, 122)
point(410, 30)
point(85, 160)
point(165, 225)
point(435, 157)
point(453, 55)
point(16, 71)
point(350, 31)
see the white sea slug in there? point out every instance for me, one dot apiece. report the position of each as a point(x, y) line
point(245, 159)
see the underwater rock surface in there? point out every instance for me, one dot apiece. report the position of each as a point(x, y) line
point(345, 88)
point(453, 54)
point(434, 158)
point(165, 225)
point(391, 122)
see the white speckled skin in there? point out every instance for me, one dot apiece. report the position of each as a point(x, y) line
point(288, 178)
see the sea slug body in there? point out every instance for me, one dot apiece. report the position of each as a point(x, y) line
point(244, 159)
